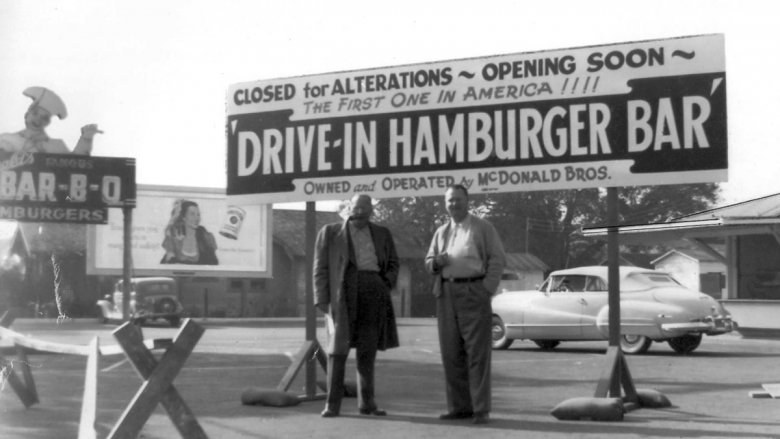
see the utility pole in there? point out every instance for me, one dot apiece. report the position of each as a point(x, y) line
point(527, 234)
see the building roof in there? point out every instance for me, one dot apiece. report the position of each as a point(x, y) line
point(525, 262)
point(632, 260)
point(691, 253)
point(764, 207)
point(758, 216)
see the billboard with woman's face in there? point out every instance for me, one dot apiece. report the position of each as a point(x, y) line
point(185, 231)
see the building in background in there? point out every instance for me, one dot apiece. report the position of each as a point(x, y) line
point(282, 295)
point(694, 268)
point(523, 271)
point(744, 238)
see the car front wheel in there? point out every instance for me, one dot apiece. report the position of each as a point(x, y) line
point(634, 344)
point(685, 344)
point(500, 340)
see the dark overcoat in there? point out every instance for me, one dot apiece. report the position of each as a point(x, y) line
point(335, 284)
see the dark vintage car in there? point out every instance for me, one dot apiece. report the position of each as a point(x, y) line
point(572, 305)
point(151, 298)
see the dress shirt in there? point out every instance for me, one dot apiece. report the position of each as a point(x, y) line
point(464, 259)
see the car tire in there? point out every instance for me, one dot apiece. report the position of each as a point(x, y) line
point(547, 345)
point(165, 306)
point(634, 344)
point(500, 340)
point(685, 344)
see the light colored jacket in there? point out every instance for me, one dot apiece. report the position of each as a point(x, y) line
point(488, 244)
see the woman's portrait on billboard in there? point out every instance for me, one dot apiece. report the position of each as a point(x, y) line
point(186, 241)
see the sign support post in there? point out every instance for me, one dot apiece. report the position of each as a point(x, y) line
point(616, 376)
point(311, 313)
point(127, 260)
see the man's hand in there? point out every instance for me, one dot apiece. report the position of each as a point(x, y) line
point(441, 260)
point(89, 131)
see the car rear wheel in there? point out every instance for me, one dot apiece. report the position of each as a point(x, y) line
point(634, 344)
point(500, 340)
point(685, 344)
point(547, 345)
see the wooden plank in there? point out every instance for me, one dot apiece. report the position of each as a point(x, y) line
point(158, 387)
point(29, 381)
point(626, 381)
point(772, 389)
point(88, 421)
point(303, 355)
point(6, 319)
point(72, 349)
point(607, 375)
point(16, 384)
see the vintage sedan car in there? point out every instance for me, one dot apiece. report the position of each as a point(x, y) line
point(151, 298)
point(572, 304)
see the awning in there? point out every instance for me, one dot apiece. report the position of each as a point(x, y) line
point(694, 229)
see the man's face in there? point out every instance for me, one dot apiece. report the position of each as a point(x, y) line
point(360, 211)
point(457, 204)
point(37, 117)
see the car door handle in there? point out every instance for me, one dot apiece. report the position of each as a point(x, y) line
point(583, 301)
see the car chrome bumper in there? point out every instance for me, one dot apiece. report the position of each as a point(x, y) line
point(710, 326)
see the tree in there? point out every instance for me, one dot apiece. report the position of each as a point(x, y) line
point(547, 224)
point(417, 216)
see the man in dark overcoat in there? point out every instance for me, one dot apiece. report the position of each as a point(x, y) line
point(355, 268)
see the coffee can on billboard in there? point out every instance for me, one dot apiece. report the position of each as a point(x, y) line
point(234, 219)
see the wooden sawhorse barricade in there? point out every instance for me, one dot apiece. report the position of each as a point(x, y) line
point(158, 376)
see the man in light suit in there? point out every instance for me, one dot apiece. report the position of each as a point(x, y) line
point(355, 267)
point(467, 258)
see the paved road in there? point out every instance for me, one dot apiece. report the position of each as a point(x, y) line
point(708, 389)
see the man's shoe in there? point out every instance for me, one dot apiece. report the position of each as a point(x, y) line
point(480, 418)
point(455, 415)
point(328, 413)
point(375, 412)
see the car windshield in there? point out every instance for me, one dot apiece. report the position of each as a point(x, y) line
point(638, 281)
point(647, 280)
point(154, 288)
point(568, 282)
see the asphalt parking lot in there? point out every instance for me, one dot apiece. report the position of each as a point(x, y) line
point(709, 389)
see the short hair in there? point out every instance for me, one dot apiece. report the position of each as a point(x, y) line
point(459, 187)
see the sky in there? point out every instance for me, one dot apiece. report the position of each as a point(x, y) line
point(153, 74)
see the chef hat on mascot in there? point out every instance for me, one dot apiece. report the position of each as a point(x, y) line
point(48, 100)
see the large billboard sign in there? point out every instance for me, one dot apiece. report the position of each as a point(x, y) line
point(64, 188)
point(185, 231)
point(638, 113)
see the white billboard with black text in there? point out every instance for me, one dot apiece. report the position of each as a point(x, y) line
point(638, 113)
